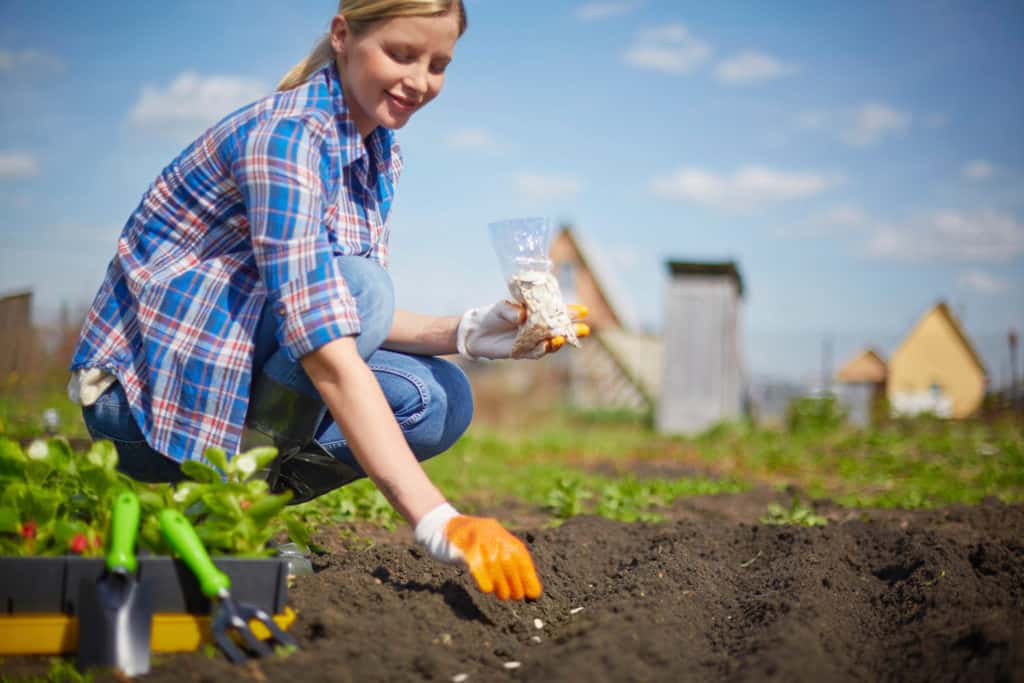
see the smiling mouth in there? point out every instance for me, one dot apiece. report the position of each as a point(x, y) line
point(403, 103)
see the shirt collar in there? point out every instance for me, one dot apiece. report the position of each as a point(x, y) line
point(353, 147)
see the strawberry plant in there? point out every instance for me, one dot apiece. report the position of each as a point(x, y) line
point(54, 501)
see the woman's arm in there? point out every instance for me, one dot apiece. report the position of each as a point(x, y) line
point(357, 403)
point(424, 335)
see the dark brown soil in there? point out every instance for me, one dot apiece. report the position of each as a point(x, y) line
point(710, 596)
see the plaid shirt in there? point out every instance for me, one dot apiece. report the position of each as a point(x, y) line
point(253, 211)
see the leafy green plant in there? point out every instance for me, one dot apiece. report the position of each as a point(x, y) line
point(567, 498)
point(797, 514)
point(54, 501)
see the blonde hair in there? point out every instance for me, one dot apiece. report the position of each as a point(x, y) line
point(361, 15)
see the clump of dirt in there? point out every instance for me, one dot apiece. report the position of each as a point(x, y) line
point(908, 596)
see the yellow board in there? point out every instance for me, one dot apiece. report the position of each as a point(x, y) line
point(53, 634)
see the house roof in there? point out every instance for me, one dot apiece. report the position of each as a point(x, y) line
point(868, 366)
point(713, 268)
point(954, 324)
point(599, 282)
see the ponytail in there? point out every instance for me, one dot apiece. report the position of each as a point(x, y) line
point(322, 54)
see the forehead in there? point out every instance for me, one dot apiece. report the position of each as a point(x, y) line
point(434, 33)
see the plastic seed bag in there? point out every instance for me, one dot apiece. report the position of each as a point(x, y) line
point(522, 246)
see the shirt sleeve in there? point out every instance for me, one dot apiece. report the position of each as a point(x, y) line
point(280, 173)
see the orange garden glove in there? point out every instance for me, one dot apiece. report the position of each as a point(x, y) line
point(490, 331)
point(498, 561)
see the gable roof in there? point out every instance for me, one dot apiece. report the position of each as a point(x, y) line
point(954, 324)
point(868, 366)
point(721, 268)
point(599, 283)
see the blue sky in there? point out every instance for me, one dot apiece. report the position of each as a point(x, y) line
point(860, 161)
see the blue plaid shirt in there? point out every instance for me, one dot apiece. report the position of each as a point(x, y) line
point(254, 210)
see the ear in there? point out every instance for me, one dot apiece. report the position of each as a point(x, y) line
point(340, 34)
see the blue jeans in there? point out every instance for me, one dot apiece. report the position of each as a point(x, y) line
point(430, 397)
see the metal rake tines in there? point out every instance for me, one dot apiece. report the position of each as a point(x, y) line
point(234, 616)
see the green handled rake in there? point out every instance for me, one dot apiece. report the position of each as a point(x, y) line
point(215, 584)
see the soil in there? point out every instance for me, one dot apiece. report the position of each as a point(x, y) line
point(711, 595)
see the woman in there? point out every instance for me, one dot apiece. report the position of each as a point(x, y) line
point(248, 300)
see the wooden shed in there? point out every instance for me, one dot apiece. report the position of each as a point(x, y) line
point(936, 368)
point(702, 369)
point(18, 341)
point(863, 381)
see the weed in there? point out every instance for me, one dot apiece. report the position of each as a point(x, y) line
point(797, 514)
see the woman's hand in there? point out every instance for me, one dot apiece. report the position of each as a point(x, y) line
point(490, 331)
point(498, 561)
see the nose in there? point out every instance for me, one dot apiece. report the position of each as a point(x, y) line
point(417, 79)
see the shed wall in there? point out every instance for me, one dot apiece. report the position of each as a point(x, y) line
point(701, 369)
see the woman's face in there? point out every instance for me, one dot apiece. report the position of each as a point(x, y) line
point(393, 69)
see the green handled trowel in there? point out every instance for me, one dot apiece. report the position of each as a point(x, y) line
point(116, 611)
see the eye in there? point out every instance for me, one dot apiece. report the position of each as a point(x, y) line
point(439, 67)
point(401, 56)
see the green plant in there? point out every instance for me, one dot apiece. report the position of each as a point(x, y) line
point(796, 514)
point(54, 501)
point(814, 414)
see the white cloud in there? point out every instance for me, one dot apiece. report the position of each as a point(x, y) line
point(836, 221)
point(17, 165)
point(14, 61)
point(748, 187)
point(982, 236)
point(860, 127)
point(977, 170)
point(192, 101)
point(669, 48)
point(844, 215)
point(873, 122)
point(752, 67)
point(983, 283)
point(539, 187)
point(595, 11)
point(473, 139)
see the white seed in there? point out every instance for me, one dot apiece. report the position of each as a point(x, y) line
point(535, 639)
point(538, 623)
point(512, 665)
point(575, 610)
point(459, 678)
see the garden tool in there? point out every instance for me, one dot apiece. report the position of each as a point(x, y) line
point(115, 612)
point(216, 585)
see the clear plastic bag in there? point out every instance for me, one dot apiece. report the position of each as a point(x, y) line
point(522, 246)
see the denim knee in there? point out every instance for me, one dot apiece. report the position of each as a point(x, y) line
point(431, 399)
point(371, 287)
point(458, 406)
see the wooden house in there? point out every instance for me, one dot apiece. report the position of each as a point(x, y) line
point(702, 376)
point(617, 367)
point(936, 369)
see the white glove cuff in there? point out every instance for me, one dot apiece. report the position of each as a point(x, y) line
point(466, 325)
point(430, 533)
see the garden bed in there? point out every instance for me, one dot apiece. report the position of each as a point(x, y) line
point(708, 595)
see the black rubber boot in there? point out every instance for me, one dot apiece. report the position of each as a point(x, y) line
point(287, 420)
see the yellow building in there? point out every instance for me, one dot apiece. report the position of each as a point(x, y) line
point(936, 369)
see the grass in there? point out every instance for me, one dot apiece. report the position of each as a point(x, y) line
point(614, 464)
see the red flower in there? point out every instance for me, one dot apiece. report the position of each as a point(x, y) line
point(78, 543)
point(28, 529)
point(245, 504)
